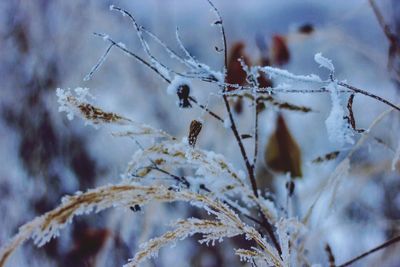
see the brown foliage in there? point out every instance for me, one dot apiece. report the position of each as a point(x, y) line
point(280, 54)
point(282, 153)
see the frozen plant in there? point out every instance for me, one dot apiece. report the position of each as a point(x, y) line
point(235, 204)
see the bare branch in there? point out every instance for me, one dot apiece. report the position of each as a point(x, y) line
point(144, 62)
point(331, 257)
point(360, 91)
point(367, 253)
point(98, 64)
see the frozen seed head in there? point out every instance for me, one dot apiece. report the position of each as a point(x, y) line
point(194, 131)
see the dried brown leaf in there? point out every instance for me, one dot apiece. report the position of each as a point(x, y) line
point(282, 153)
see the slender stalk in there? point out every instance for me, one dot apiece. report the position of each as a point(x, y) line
point(234, 129)
point(360, 91)
point(331, 257)
point(255, 135)
point(250, 168)
point(381, 20)
point(206, 109)
point(155, 166)
point(126, 51)
point(365, 254)
point(144, 62)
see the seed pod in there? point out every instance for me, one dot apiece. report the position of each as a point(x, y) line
point(306, 28)
point(135, 208)
point(194, 131)
point(183, 94)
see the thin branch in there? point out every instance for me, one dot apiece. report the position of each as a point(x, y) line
point(155, 166)
point(222, 32)
point(182, 47)
point(255, 134)
point(256, 113)
point(360, 91)
point(331, 257)
point(249, 167)
point(238, 138)
point(351, 89)
point(144, 62)
point(381, 20)
point(169, 50)
point(365, 254)
point(234, 129)
point(350, 118)
point(180, 179)
point(126, 51)
point(259, 90)
point(155, 62)
point(206, 109)
point(252, 80)
point(98, 64)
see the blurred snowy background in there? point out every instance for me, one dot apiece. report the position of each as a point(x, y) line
point(48, 44)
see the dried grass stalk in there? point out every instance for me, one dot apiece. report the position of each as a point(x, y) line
point(47, 226)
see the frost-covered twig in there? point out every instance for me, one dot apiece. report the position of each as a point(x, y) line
point(169, 50)
point(220, 23)
point(131, 54)
point(251, 77)
point(144, 62)
point(99, 63)
point(235, 131)
point(363, 92)
point(154, 62)
point(250, 168)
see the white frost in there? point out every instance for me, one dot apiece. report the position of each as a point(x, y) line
point(337, 127)
point(275, 72)
point(227, 123)
point(324, 62)
point(122, 45)
point(65, 97)
point(176, 83)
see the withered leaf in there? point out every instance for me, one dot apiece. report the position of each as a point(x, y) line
point(280, 51)
point(282, 153)
point(87, 244)
point(235, 72)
